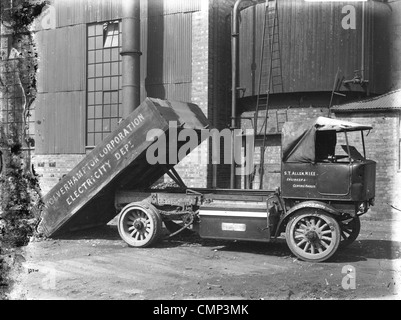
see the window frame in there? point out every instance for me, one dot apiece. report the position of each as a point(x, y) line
point(103, 76)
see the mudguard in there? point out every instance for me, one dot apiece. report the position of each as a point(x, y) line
point(306, 204)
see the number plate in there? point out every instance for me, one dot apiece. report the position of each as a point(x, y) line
point(233, 226)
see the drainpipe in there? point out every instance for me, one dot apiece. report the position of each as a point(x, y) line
point(234, 77)
point(234, 84)
point(130, 55)
point(363, 43)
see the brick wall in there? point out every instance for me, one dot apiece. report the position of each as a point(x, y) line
point(51, 168)
point(382, 147)
point(272, 160)
point(194, 168)
point(211, 81)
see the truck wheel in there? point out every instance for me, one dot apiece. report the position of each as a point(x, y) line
point(139, 224)
point(350, 228)
point(313, 235)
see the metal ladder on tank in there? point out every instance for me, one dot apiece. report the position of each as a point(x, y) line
point(275, 79)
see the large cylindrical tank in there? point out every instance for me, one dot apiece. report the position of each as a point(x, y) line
point(316, 41)
point(387, 44)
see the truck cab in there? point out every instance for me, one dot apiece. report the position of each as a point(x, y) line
point(327, 182)
point(325, 159)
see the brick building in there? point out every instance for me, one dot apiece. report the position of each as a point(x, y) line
point(383, 145)
point(186, 55)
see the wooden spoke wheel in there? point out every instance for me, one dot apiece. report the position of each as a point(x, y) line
point(139, 224)
point(313, 235)
point(350, 228)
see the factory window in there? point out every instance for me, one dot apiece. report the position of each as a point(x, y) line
point(103, 80)
point(110, 34)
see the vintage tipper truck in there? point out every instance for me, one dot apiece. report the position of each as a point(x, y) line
point(326, 185)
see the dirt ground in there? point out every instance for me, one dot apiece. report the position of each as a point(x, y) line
point(97, 264)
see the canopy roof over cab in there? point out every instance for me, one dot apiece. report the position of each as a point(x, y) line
point(305, 141)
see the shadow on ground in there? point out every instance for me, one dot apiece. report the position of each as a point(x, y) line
point(370, 249)
point(360, 250)
point(105, 232)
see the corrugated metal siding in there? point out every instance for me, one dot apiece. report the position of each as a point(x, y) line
point(144, 46)
point(69, 12)
point(313, 45)
point(60, 126)
point(177, 64)
point(62, 62)
point(166, 65)
point(383, 33)
point(105, 10)
point(167, 7)
point(172, 91)
point(74, 12)
point(166, 69)
point(61, 86)
point(176, 6)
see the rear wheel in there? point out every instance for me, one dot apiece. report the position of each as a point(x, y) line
point(350, 228)
point(140, 224)
point(313, 235)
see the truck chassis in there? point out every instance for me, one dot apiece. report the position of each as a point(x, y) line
point(247, 215)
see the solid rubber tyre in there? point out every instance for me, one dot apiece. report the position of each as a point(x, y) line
point(313, 235)
point(140, 224)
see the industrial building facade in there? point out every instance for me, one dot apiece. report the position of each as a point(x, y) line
point(184, 46)
point(322, 55)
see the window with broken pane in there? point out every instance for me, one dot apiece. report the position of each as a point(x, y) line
point(103, 80)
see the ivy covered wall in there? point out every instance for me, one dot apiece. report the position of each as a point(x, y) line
point(19, 189)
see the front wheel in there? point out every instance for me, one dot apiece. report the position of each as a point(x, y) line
point(140, 224)
point(313, 235)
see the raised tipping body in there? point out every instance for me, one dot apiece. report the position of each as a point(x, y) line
point(85, 196)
